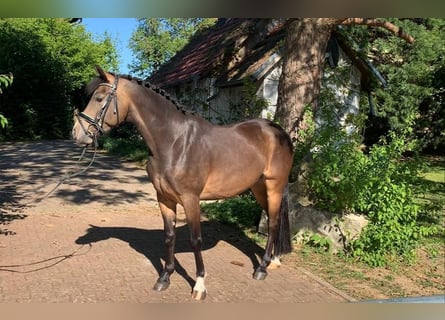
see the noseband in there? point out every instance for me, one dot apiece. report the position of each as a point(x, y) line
point(98, 121)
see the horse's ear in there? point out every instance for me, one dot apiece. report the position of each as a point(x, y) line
point(102, 74)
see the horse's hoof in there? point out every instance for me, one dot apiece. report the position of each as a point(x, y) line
point(199, 295)
point(259, 275)
point(161, 285)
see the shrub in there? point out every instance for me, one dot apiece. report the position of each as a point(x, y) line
point(381, 184)
point(242, 211)
point(5, 81)
point(125, 142)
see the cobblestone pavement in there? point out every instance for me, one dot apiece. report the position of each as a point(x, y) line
point(98, 238)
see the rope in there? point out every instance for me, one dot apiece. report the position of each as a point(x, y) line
point(10, 268)
point(69, 175)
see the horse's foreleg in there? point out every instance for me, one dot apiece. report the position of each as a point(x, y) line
point(168, 211)
point(192, 211)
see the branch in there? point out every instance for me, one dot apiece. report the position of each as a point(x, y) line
point(382, 24)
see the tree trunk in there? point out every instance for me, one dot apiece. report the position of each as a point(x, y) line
point(299, 86)
point(304, 56)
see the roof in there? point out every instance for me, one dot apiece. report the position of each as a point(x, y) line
point(235, 49)
point(230, 50)
point(197, 57)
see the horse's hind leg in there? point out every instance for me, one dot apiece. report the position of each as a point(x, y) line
point(168, 211)
point(260, 192)
point(274, 192)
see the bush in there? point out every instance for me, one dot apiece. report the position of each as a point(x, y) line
point(381, 184)
point(242, 211)
point(5, 81)
point(125, 142)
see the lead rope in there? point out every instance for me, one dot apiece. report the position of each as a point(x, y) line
point(97, 123)
point(69, 175)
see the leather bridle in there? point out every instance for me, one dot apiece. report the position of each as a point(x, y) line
point(98, 121)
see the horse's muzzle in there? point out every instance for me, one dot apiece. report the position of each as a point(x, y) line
point(80, 137)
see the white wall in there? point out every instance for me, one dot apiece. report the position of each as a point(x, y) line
point(214, 103)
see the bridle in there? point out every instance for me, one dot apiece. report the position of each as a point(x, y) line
point(98, 121)
point(97, 124)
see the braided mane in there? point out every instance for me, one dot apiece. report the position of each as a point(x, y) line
point(156, 89)
point(96, 81)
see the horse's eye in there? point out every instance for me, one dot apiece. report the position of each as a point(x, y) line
point(99, 97)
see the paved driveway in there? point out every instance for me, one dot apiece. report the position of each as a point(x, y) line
point(98, 238)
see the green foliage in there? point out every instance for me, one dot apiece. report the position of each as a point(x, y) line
point(156, 40)
point(383, 184)
point(51, 60)
point(318, 242)
point(415, 74)
point(125, 142)
point(242, 211)
point(5, 81)
point(3, 121)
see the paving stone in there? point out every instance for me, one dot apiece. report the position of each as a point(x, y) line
point(41, 259)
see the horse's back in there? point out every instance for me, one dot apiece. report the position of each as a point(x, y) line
point(242, 153)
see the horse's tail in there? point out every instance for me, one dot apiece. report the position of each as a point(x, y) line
point(282, 243)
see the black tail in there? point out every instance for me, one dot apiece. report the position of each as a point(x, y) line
point(282, 243)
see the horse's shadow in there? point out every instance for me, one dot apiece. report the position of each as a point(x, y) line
point(150, 243)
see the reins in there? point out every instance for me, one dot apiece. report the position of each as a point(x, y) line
point(96, 123)
point(69, 175)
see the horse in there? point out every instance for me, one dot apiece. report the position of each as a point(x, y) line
point(191, 159)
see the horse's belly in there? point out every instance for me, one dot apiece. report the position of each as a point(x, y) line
point(225, 186)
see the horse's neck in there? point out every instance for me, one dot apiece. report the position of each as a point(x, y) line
point(156, 118)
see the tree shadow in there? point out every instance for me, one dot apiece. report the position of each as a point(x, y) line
point(9, 209)
point(150, 242)
point(28, 170)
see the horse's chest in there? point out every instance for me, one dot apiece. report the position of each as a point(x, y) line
point(165, 184)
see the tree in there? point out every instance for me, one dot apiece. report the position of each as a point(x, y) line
point(50, 60)
point(414, 95)
point(304, 57)
point(157, 40)
point(342, 178)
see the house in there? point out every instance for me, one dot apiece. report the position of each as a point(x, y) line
point(231, 70)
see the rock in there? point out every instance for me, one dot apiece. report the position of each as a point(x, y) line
point(306, 221)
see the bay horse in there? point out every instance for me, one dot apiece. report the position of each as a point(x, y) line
point(191, 159)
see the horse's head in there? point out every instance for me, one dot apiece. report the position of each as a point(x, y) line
point(95, 234)
point(105, 109)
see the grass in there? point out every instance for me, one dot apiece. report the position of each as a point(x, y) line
point(434, 201)
point(434, 180)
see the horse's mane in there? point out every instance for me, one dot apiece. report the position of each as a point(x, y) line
point(94, 83)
